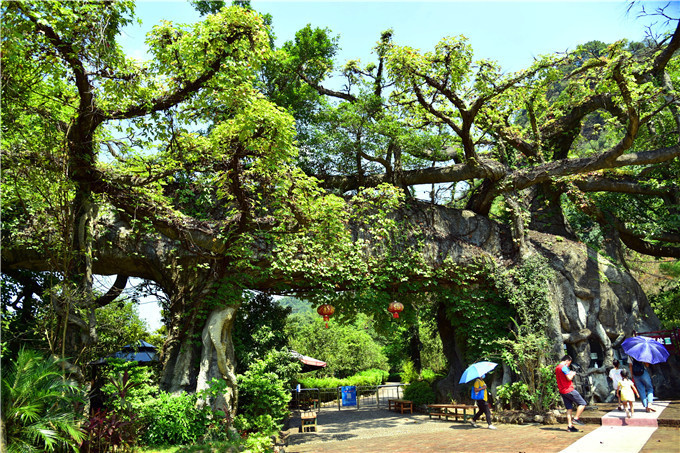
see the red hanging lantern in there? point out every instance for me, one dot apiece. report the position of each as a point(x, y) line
point(394, 308)
point(326, 310)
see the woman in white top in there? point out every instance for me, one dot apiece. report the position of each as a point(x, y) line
point(615, 376)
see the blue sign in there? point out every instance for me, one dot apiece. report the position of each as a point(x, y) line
point(349, 395)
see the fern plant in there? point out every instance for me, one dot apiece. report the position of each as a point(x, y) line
point(39, 405)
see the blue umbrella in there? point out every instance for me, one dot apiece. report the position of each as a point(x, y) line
point(645, 349)
point(476, 370)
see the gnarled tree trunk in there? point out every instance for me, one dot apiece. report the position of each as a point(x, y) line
point(217, 358)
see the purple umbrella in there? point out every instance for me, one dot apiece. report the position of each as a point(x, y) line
point(645, 349)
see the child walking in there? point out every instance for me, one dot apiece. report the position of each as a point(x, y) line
point(627, 392)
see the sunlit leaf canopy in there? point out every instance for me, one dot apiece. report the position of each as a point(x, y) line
point(190, 144)
point(184, 144)
point(588, 125)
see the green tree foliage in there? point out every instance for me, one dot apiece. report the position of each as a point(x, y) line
point(118, 324)
point(578, 125)
point(39, 405)
point(347, 349)
point(259, 329)
point(480, 317)
point(666, 302)
point(296, 305)
point(21, 311)
point(397, 345)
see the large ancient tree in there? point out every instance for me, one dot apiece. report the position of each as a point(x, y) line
point(180, 171)
point(582, 143)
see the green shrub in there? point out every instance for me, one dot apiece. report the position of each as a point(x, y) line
point(113, 430)
point(430, 376)
point(141, 386)
point(408, 372)
point(174, 419)
point(514, 395)
point(263, 400)
point(548, 396)
point(419, 392)
point(368, 377)
point(320, 383)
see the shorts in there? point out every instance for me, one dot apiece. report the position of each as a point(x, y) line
point(572, 398)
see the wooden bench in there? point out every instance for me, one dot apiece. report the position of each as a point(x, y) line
point(450, 410)
point(307, 421)
point(400, 405)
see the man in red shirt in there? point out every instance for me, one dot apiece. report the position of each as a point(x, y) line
point(570, 396)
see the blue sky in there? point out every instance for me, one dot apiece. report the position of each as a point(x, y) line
point(510, 32)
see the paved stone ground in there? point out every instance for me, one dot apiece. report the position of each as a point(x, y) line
point(369, 431)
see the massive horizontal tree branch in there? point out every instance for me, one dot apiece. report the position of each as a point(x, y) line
point(637, 243)
point(630, 238)
point(598, 183)
point(517, 180)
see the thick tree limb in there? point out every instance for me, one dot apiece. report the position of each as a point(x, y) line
point(489, 168)
point(172, 99)
point(633, 240)
point(113, 292)
point(664, 57)
point(598, 183)
point(325, 91)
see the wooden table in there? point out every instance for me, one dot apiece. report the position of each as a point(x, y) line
point(400, 405)
point(307, 421)
point(450, 410)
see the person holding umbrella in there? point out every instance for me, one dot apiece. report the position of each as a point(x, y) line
point(480, 395)
point(570, 396)
point(477, 372)
point(643, 351)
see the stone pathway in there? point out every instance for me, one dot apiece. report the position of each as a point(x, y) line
point(368, 431)
point(619, 434)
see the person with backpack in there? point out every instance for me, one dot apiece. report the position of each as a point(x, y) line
point(480, 395)
point(643, 382)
